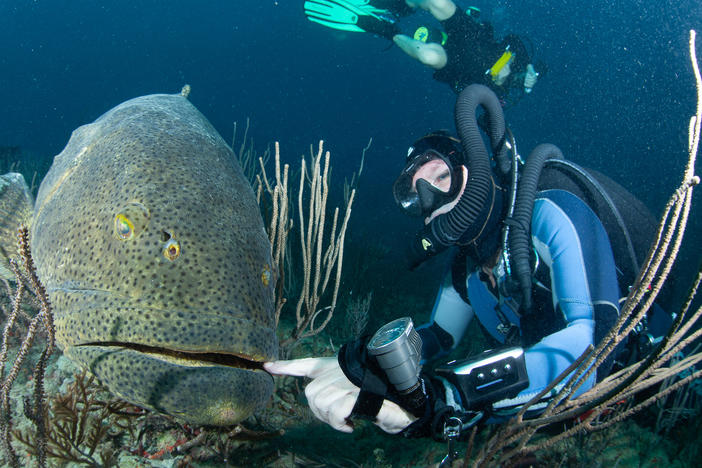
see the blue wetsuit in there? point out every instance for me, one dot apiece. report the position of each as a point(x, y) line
point(570, 240)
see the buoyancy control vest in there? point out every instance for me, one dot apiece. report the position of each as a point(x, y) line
point(628, 223)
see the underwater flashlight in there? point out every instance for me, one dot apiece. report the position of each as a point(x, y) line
point(398, 349)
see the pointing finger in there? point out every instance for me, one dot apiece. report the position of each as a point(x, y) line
point(307, 367)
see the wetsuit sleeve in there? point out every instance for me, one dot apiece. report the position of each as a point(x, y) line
point(449, 320)
point(572, 242)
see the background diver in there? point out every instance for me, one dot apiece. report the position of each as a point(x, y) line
point(462, 52)
point(541, 264)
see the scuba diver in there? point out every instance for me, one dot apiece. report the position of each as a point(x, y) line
point(463, 52)
point(542, 254)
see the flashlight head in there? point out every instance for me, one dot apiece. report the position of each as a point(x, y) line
point(398, 349)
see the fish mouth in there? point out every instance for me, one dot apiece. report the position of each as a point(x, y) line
point(184, 336)
point(194, 358)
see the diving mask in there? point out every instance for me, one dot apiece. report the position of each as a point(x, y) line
point(428, 181)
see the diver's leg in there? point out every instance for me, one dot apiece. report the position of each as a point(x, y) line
point(428, 53)
point(440, 9)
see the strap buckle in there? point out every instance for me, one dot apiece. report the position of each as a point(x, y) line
point(452, 431)
point(453, 427)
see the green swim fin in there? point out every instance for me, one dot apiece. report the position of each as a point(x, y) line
point(345, 14)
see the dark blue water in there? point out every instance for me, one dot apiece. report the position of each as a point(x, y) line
point(617, 95)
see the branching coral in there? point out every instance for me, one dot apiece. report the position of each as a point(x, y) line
point(321, 246)
point(43, 319)
point(85, 425)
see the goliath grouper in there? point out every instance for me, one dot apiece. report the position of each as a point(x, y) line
point(149, 241)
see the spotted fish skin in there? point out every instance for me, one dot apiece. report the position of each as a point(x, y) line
point(15, 210)
point(149, 241)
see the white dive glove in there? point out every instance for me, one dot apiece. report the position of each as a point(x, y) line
point(439, 9)
point(530, 78)
point(424, 4)
point(331, 395)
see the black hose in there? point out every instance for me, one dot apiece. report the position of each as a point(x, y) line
point(454, 224)
point(520, 222)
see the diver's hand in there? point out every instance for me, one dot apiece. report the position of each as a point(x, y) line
point(440, 9)
point(331, 395)
point(530, 78)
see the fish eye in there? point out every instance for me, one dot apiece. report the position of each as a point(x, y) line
point(266, 275)
point(131, 221)
point(124, 228)
point(171, 250)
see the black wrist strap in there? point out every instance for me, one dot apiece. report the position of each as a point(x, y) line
point(362, 370)
point(369, 398)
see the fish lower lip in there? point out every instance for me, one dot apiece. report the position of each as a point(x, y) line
point(222, 359)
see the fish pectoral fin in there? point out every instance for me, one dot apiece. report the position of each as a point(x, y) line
point(16, 206)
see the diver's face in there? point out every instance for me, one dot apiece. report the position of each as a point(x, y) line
point(436, 172)
point(426, 186)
